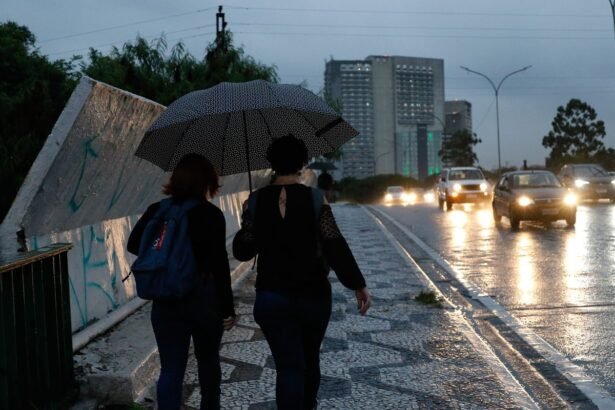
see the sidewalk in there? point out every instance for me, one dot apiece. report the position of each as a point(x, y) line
point(401, 355)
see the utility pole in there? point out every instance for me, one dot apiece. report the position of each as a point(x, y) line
point(220, 22)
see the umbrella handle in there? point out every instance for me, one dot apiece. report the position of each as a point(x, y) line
point(245, 136)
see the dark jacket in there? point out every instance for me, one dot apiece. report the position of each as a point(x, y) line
point(290, 249)
point(207, 230)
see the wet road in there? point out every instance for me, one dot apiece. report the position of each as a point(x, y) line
point(560, 282)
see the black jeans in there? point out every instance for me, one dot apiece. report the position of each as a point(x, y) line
point(294, 328)
point(174, 324)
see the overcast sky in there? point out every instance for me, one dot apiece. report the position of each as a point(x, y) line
point(569, 43)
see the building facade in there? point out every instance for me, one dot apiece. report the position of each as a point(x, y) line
point(458, 116)
point(396, 103)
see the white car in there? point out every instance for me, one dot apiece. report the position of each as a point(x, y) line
point(397, 195)
point(459, 185)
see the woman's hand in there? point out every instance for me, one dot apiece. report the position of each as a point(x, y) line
point(229, 322)
point(364, 300)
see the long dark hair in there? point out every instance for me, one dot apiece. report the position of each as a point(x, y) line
point(193, 177)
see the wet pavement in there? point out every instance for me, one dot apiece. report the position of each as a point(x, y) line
point(559, 282)
point(401, 355)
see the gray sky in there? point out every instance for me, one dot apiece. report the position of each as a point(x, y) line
point(569, 43)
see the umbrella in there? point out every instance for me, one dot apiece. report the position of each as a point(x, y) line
point(232, 124)
point(322, 165)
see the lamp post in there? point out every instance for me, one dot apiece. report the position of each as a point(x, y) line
point(497, 105)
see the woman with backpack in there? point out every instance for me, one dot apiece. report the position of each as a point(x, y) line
point(203, 310)
point(292, 229)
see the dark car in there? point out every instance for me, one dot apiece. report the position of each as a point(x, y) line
point(533, 195)
point(589, 181)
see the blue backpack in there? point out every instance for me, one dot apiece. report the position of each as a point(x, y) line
point(166, 268)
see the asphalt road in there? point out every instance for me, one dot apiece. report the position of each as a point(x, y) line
point(560, 282)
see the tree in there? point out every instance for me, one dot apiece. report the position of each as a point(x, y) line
point(458, 150)
point(155, 72)
point(33, 91)
point(576, 135)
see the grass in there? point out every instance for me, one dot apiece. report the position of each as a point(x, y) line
point(428, 298)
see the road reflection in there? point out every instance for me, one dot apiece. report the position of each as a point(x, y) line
point(557, 280)
point(525, 278)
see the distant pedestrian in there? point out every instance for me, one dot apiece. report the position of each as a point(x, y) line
point(295, 237)
point(325, 184)
point(208, 309)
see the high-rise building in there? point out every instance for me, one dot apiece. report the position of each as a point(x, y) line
point(397, 105)
point(458, 115)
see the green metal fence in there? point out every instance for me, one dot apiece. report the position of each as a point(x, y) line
point(36, 355)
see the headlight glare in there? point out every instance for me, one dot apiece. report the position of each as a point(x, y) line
point(483, 186)
point(525, 201)
point(457, 188)
point(613, 182)
point(412, 197)
point(570, 199)
point(580, 182)
point(388, 197)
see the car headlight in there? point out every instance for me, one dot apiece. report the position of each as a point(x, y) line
point(428, 197)
point(570, 199)
point(405, 197)
point(525, 201)
point(412, 197)
point(457, 188)
point(580, 182)
point(484, 186)
point(613, 182)
point(388, 197)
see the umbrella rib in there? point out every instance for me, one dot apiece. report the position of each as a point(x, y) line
point(265, 121)
point(228, 119)
point(314, 128)
point(179, 141)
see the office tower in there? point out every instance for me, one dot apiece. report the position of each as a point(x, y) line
point(458, 115)
point(397, 104)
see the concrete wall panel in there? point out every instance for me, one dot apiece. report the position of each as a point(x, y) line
point(86, 187)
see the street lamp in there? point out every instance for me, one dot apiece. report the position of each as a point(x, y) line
point(497, 106)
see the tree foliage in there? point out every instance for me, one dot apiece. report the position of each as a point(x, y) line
point(33, 91)
point(576, 135)
point(458, 150)
point(154, 71)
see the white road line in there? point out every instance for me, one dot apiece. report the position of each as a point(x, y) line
point(575, 374)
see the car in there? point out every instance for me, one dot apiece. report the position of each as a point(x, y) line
point(396, 195)
point(535, 196)
point(458, 185)
point(589, 181)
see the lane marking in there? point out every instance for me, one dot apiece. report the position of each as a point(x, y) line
point(574, 373)
point(511, 384)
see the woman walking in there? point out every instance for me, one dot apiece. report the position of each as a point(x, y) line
point(206, 311)
point(293, 231)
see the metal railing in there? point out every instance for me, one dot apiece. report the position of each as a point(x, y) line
point(36, 355)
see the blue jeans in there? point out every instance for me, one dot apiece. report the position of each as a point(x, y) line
point(174, 324)
point(294, 328)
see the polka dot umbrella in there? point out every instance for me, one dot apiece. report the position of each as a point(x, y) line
point(232, 125)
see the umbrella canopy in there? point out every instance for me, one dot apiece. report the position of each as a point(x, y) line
point(232, 124)
point(322, 165)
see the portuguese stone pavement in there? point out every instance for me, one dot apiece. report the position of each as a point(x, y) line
point(401, 355)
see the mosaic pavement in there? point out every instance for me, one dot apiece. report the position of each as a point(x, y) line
point(402, 355)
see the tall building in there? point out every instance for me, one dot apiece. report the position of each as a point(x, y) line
point(396, 103)
point(458, 115)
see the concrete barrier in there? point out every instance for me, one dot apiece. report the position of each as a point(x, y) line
point(86, 187)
